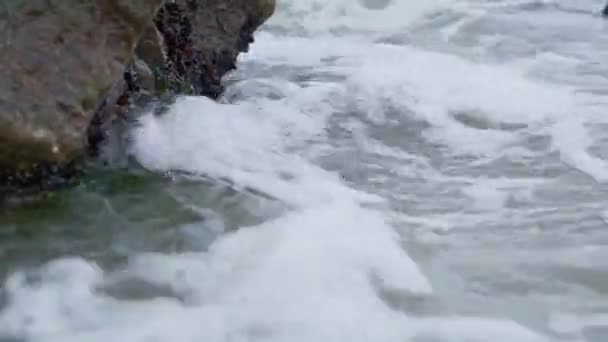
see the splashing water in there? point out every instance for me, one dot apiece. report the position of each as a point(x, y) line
point(439, 169)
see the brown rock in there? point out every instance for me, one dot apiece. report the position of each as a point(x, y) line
point(58, 59)
point(204, 37)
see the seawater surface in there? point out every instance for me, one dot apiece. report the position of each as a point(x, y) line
point(385, 170)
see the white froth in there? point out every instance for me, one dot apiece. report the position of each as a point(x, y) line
point(315, 273)
point(248, 145)
point(437, 86)
point(571, 139)
point(305, 276)
point(320, 17)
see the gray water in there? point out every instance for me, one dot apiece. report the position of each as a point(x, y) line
point(385, 171)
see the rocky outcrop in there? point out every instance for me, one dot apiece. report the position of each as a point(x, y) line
point(57, 60)
point(187, 49)
point(71, 67)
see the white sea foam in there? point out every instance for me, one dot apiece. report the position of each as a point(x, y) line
point(317, 272)
point(320, 17)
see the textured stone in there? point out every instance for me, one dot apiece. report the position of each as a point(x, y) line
point(71, 68)
point(58, 59)
point(187, 49)
point(203, 39)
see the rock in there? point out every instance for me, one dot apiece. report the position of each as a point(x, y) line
point(151, 47)
point(605, 11)
point(71, 68)
point(203, 39)
point(188, 48)
point(58, 60)
point(145, 76)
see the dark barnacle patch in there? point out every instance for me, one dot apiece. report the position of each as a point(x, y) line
point(180, 65)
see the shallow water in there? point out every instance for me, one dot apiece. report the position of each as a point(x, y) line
point(426, 171)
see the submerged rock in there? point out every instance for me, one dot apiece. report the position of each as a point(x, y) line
point(71, 67)
point(605, 11)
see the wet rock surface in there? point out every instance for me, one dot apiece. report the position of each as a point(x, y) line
point(72, 69)
point(57, 60)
